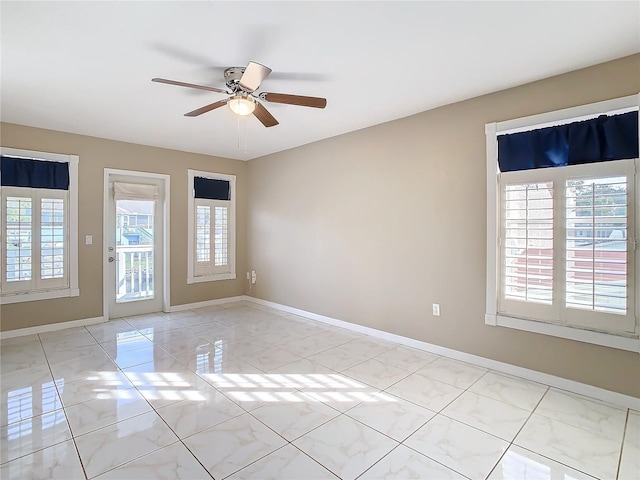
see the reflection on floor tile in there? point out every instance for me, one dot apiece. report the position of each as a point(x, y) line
point(521, 464)
point(244, 391)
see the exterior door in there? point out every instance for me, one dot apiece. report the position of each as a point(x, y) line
point(135, 245)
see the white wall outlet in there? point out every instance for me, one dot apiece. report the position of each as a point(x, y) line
point(88, 240)
point(248, 276)
point(436, 309)
point(253, 276)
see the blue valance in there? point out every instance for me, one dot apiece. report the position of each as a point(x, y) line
point(600, 139)
point(21, 172)
point(211, 188)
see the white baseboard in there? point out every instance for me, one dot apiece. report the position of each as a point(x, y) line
point(614, 398)
point(51, 327)
point(208, 303)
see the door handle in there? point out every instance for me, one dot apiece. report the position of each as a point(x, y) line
point(111, 259)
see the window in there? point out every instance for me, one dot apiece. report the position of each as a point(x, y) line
point(561, 256)
point(211, 227)
point(38, 225)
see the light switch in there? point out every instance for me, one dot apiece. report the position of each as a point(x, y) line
point(88, 240)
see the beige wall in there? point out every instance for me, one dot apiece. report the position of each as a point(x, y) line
point(95, 155)
point(374, 226)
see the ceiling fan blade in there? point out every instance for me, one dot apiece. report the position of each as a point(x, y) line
point(206, 108)
point(189, 85)
point(303, 101)
point(253, 76)
point(264, 116)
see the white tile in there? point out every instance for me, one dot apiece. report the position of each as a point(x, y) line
point(303, 367)
point(392, 416)
point(583, 413)
point(56, 462)
point(308, 346)
point(17, 381)
point(377, 374)
point(630, 461)
point(125, 357)
point(61, 343)
point(368, 347)
point(458, 374)
point(232, 445)
point(404, 463)
point(112, 446)
point(408, 358)
point(295, 417)
point(286, 463)
point(134, 342)
point(271, 358)
point(20, 356)
point(583, 450)
point(457, 446)
point(426, 392)
point(169, 463)
point(21, 404)
point(88, 416)
point(521, 464)
point(164, 388)
point(33, 434)
point(208, 408)
point(102, 385)
point(491, 416)
point(345, 446)
point(337, 358)
point(512, 390)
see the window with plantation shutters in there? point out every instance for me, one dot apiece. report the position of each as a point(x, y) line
point(211, 227)
point(563, 219)
point(38, 225)
point(564, 245)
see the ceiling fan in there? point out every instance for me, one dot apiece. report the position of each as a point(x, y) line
point(242, 83)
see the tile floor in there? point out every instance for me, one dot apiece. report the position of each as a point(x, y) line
point(244, 392)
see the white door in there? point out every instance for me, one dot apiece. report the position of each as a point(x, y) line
point(135, 245)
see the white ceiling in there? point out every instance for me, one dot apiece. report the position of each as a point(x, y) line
point(86, 67)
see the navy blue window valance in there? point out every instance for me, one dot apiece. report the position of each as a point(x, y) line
point(211, 189)
point(21, 172)
point(600, 139)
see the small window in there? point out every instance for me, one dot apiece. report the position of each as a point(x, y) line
point(211, 227)
point(38, 194)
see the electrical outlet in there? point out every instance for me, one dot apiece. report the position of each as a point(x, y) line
point(436, 309)
point(253, 276)
point(248, 276)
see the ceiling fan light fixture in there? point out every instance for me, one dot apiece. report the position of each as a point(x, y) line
point(241, 105)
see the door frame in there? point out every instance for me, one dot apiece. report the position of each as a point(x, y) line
point(166, 183)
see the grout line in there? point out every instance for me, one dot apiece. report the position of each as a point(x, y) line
point(624, 435)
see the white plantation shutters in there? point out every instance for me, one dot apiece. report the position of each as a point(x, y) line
point(566, 254)
point(211, 227)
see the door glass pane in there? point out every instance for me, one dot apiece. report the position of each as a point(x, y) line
point(134, 250)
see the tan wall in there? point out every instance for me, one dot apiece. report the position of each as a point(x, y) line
point(95, 155)
point(374, 226)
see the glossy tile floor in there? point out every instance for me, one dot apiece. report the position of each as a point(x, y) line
point(246, 392)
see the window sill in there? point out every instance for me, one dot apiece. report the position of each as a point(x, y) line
point(211, 278)
point(34, 296)
point(597, 338)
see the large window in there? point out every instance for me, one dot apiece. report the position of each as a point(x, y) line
point(211, 227)
point(561, 251)
point(38, 225)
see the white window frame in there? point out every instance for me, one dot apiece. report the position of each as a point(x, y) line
point(219, 273)
point(623, 341)
point(70, 290)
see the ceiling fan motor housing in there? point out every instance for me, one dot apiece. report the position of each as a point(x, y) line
point(232, 76)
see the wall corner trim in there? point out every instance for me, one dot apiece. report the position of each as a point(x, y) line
point(490, 319)
point(615, 398)
point(52, 327)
